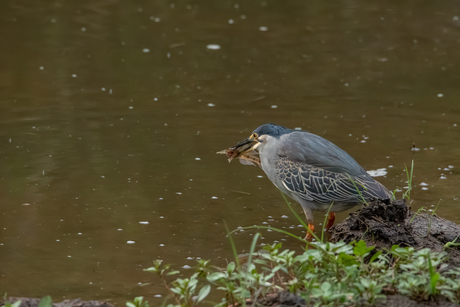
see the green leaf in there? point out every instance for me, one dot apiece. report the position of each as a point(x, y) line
point(361, 249)
point(173, 273)
point(45, 302)
point(152, 269)
point(129, 304)
point(231, 267)
point(215, 276)
point(375, 256)
point(203, 293)
point(365, 283)
point(16, 304)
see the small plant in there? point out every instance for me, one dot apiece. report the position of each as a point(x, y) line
point(138, 302)
point(183, 290)
point(406, 194)
point(9, 304)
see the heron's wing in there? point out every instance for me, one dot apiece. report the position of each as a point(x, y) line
point(320, 185)
point(308, 148)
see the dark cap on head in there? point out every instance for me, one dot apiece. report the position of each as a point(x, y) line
point(272, 130)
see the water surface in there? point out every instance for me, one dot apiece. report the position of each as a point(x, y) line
point(111, 113)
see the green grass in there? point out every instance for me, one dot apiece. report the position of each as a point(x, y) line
point(409, 176)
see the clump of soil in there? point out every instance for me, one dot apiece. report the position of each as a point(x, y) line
point(384, 223)
point(33, 302)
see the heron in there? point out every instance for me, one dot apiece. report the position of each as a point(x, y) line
point(311, 170)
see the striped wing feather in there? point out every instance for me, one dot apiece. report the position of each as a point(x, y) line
point(317, 184)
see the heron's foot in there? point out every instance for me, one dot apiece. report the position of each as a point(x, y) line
point(309, 236)
point(330, 220)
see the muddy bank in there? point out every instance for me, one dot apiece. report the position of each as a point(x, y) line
point(287, 299)
point(33, 302)
point(383, 224)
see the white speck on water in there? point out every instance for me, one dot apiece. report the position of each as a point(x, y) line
point(130, 242)
point(83, 29)
point(455, 18)
point(390, 166)
point(346, 84)
point(157, 295)
point(450, 166)
point(144, 222)
point(378, 172)
point(211, 105)
point(284, 216)
point(110, 91)
point(424, 188)
point(262, 28)
point(260, 176)
point(41, 67)
point(363, 141)
point(178, 193)
point(131, 107)
point(161, 245)
point(69, 256)
point(186, 267)
point(230, 21)
point(120, 229)
point(189, 258)
point(364, 116)
point(424, 184)
point(155, 99)
point(265, 223)
point(26, 204)
point(443, 177)
point(146, 50)
point(446, 169)
point(79, 233)
point(415, 149)
point(168, 55)
point(297, 128)
point(57, 240)
point(74, 75)
point(274, 106)
point(440, 95)
point(198, 159)
point(162, 217)
point(53, 20)
point(43, 172)
point(214, 197)
point(166, 124)
point(213, 47)
point(103, 89)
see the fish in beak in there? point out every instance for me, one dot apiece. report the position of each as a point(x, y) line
point(244, 151)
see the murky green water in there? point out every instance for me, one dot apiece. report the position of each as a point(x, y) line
point(111, 113)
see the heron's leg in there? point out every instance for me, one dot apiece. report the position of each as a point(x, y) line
point(330, 220)
point(309, 215)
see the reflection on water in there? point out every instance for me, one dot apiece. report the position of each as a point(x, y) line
point(111, 114)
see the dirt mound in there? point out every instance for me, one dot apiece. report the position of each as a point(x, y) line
point(384, 223)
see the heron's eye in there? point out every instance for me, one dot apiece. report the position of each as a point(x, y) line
point(254, 136)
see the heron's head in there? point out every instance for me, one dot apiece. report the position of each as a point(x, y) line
point(262, 135)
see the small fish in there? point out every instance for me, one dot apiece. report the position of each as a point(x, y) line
point(243, 151)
